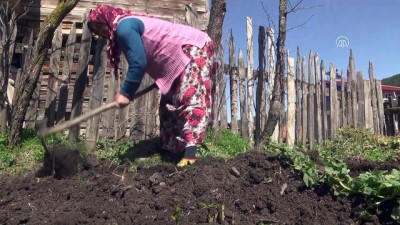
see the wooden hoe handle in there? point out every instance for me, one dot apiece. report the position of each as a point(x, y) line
point(69, 123)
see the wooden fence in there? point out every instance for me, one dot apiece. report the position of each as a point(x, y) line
point(318, 99)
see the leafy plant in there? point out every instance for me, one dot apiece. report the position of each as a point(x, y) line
point(112, 150)
point(6, 158)
point(360, 143)
point(223, 144)
point(377, 186)
point(177, 214)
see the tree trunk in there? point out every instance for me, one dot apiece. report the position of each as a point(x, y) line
point(276, 105)
point(214, 30)
point(8, 33)
point(31, 76)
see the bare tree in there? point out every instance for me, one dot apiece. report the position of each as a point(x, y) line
point(30, 77)
point(214, 30)
point(9, 15)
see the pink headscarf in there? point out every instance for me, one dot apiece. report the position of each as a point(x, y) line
point(107, 14)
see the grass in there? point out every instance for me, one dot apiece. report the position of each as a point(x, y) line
point(349, 142)
point(360, 143)
point(30, 153)
point(221, 144)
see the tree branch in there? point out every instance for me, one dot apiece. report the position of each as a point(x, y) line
point(298, 8)
point(292, 28)
point(270, 20)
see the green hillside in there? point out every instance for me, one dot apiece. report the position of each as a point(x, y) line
point(393, 80)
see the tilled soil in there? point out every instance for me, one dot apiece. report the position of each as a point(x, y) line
point(253, 188)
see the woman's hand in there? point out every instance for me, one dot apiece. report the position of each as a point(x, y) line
point(121, 100)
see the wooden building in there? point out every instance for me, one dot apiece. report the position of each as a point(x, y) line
point(194, 13)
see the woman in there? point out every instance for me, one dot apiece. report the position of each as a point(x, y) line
point(182, 63)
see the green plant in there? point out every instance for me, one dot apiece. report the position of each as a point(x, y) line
point(378, 186)
point(223, 144)
point(177, 213)
point(211, 217)
point(6, 158)
point(360, 143)
point(112, 150)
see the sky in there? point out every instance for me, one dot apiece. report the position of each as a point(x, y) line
point(371, 28)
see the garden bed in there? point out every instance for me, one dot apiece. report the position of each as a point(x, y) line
point(252, 188)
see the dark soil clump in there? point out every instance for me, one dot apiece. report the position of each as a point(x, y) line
point(253, 188)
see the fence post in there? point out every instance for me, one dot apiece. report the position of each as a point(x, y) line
point(333, 101)
point(52, 83)
point(244, 125)
point(81, 78)
point(298, 96)
point(324, 106)
point(260, 92)
point(122, 113)
point(66, 74)
point(390, 116)
point(271, 73)
point(343, 121)
point(311, 102)
point(250, 78)
point(353, 89)
point(369, 123)
point(96, 98)
point(304, 90)
point(108, 118)
point(373, 98)
point(318, 99)
point(349, 100)
point(360, 98)
point(381, 115)
point(291, 129)
point(233, 85)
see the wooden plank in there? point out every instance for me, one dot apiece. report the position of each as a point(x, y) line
point(298, 96)
point(369, 122)
point(137, 127)
point(66, 75)
point(122, 124)
point(291, 129)
point(233, 86)
point(353, 90)
point(318, 99)
point(390, 118)
point(244, 125)
point(373, 98)
point(304, 90)
point(324, 106)
point(333, 101)
point(191, 16)
point(250, 77)
point(271, 74)
point(260, 89)
point(343, 100)
point(360, 98)
point(162, 9)
point(379, 97)
point(96, 97)
point(108, 118)
point(81, 79)
point(311, 100)
point(349, 109)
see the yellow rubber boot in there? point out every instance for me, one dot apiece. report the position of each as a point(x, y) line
point(186, 162)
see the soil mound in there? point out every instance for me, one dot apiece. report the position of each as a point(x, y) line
point(253, 188)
